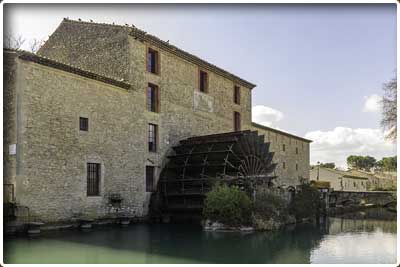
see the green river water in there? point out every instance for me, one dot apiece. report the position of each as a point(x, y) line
point(364, 237)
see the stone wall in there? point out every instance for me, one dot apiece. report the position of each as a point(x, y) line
point(376, 198)
point(287, 159)
point(9, 124)
point(53, 152)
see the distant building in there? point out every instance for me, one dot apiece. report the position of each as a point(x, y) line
point(377, 180)
point(339, 180)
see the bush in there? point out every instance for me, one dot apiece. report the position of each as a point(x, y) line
point(228, 205)
point(269, 205)
point(306, 202)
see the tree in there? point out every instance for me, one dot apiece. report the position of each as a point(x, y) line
point(387, 164)
point(16, 42)
point(35, 45)
point(361, 162)
point(329, 165)
point(389, 109)
point(12, 42)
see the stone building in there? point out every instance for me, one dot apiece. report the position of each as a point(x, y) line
point(339, 180)
point(97, 110)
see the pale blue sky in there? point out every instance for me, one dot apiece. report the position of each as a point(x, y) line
point(314, 63)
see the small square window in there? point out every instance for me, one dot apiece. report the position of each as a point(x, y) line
point(83, 124)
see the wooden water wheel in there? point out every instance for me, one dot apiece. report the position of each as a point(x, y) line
point(197, 162)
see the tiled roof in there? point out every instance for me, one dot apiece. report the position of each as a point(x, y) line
point(280, 132)
point(69, 68)
point(344, 173)
point(144, 36)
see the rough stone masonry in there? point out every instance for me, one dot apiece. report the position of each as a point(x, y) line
point(99, 72)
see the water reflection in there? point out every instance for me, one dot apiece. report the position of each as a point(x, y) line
point(328, 242)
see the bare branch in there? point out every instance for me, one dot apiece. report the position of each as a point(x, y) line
point(35, 45)
point(389, 109)
point(13, 42)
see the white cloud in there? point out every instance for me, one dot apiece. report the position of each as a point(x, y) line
point(372, 103)
point(336, 145)
point(266, 116)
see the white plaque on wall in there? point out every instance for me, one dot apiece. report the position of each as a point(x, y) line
point(13, 149)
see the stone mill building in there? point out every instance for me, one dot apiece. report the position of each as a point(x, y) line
point(95, 112)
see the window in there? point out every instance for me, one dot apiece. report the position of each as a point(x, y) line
point(93, 179)
point(236, 95)
point(297, 167)
point(149, 178)
point(284, 165)
point(152, 98)
point(354, 183)
point(152, 137)
point(83, 124)
point(152, 61)
point(283, 147)
point(236, 121)
point(297, 150)
point(203, 81)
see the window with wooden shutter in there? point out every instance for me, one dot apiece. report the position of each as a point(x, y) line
point(236, 95)
point(203, 81)
point(153, 98)
point(153, 61)
point(236, 121)
point(149, 178)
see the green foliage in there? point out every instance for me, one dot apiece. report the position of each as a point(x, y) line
point(330, 165)
point(306, 202)
point(361, 162)
point(227, 205)
point(269, 205)
point(388, 164)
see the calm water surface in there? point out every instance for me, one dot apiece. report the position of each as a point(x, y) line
point(359, 238)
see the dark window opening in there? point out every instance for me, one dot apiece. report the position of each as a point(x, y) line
point(152, 98)
point(237, 95)
point(203, 81)
point(152, 137)
point(284, 165)
point(297, 150)
point(93, 179)
point(149, 178)
point(83, 124)
point(283, 147)
point(236, 121)
point(297, 167)
point(152, 61)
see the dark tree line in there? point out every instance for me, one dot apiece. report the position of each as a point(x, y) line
point(368, 163)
